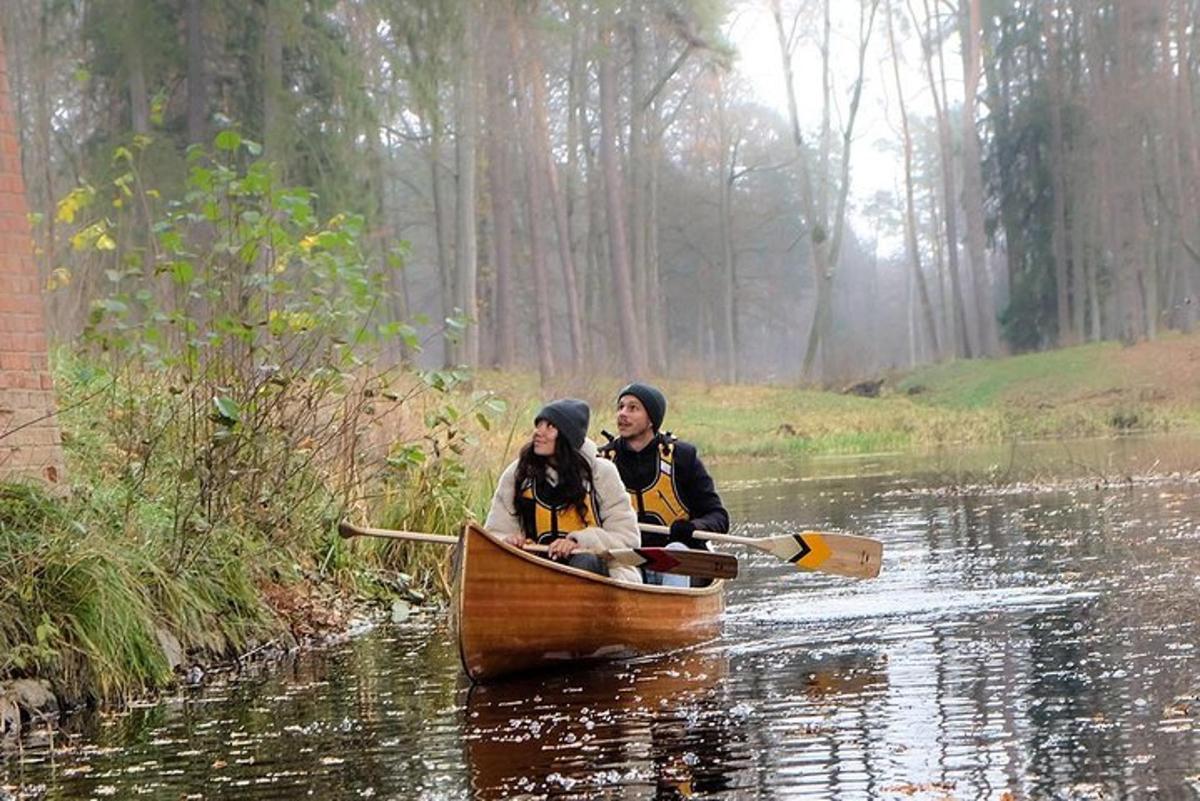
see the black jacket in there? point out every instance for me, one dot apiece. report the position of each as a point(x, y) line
point(639, 469)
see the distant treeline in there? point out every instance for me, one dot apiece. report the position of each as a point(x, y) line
point(591, 186)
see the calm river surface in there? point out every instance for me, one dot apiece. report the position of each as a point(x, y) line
point(1025, 640)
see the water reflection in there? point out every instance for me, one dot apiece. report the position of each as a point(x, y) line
point(657, 726)
point(1041, 643)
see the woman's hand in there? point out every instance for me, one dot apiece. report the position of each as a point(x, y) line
point(562, 547)
point(517, 540)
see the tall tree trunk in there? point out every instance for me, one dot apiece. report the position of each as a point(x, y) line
point(545, 157)
point(945, 304)
point(985, 307)
point(535, 192)
point(657, 314)
point(637, 167)
point(961, 339)
point(576, 96)
point(910, 210)
point(501, 190)
point(274, 129)
point(631, 342)
point(1124, 133)
point(197, 72)
point(441, 235)
point(1188, 156)
point(139, 100)
point(1065, 293)
point(465, 208)
point(727, 150)
point(397, 279)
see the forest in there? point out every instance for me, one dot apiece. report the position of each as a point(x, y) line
point(604, 186)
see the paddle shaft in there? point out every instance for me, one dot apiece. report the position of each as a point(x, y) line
point(705, 535)
point(700, 564)
point(348, 530)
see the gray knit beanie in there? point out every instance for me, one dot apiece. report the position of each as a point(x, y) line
point(654, 401)
point(570, 417)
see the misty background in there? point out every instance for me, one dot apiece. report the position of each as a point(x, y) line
point(750, 191)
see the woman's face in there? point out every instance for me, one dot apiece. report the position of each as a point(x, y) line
point(545, 438)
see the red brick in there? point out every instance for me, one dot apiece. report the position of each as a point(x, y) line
point(26, 387)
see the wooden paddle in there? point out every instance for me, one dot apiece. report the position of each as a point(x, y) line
point(840, 554)
point(702, 564)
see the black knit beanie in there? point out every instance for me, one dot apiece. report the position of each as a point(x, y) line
point(654, 401)
point(570, 417)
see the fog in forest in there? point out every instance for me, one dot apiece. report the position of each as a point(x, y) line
point(763, 191)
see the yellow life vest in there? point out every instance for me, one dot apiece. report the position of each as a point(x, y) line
point(550, 521)
point(658, 503)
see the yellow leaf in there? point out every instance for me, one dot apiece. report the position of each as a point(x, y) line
point(105, 242)
point(81, 239)
point(59, 277)
point(76, 199)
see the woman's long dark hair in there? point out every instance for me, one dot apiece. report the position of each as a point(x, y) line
point(574, 473)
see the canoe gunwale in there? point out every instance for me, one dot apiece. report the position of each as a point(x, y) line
point(542, 562)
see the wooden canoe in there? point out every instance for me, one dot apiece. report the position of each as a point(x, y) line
point(515, 612)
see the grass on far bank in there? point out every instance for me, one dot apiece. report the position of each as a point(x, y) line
point(1085, 391)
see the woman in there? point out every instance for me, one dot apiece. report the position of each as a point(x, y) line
point(559, 494)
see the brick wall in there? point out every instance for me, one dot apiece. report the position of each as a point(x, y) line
point(30, 442)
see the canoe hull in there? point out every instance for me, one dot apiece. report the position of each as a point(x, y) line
point(515, 612)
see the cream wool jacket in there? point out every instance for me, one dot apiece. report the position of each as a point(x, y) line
point(618, 522)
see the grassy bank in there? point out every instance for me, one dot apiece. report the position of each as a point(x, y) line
point(157, 555)
point(1085, 391)
point(165, 547)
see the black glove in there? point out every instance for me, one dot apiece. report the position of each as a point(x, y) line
point(682, 531)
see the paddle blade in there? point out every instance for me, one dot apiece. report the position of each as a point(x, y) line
point(839, 554)
point(702, 564)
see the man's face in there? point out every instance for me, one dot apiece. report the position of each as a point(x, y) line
point(632, 419)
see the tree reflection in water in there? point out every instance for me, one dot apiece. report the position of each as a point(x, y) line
point(666, 727)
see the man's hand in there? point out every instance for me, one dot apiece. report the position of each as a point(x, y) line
point(683, 531)
point(562, 548)
point(517, 540)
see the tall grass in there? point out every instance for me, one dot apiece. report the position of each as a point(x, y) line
point(83, 605)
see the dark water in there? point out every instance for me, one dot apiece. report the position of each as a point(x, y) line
point(1023, 641)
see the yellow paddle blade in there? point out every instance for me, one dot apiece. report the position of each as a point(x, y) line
point(840, 554)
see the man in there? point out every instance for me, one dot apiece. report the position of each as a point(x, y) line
point(664, 476)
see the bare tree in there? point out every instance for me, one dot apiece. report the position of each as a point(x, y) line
point(632, 344)
point(910, 213)
point(824, 243)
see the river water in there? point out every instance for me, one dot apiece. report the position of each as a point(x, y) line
point(1033, 634)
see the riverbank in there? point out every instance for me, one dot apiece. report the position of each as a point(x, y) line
point(1086, 391)
point(165, 554)
point(113, 589)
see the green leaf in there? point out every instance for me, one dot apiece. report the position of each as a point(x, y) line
point(228, 141)
point(227, 409)
point(183, 272)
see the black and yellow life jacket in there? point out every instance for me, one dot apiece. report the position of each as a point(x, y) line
point(545, 520)
point(659, 502)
